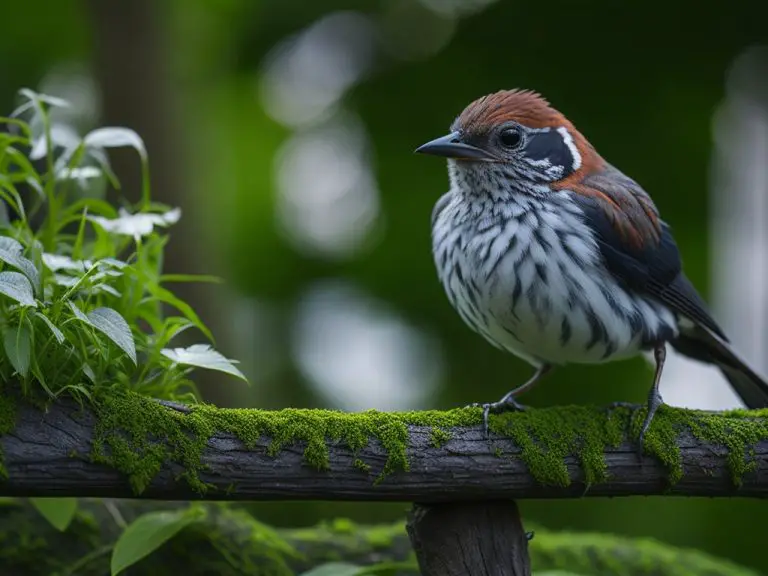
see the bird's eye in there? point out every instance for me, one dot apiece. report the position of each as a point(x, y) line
point(511, 138)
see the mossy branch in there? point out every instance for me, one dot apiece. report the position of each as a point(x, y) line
point(125, 445)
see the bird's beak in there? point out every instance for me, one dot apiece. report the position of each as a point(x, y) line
point(451, 146)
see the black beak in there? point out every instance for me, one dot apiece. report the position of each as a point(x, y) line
point(451, 146)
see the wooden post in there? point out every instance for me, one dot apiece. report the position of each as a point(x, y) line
point(484, 538)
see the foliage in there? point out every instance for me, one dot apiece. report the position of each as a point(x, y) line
point(148, 532)
point(82, 289)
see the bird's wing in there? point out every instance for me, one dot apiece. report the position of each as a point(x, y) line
point(636, 245)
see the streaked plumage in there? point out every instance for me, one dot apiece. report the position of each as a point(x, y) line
point(554, 255)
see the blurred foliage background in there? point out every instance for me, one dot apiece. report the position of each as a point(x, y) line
point(285, 131)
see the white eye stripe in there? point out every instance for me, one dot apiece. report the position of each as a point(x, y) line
point(571, 146)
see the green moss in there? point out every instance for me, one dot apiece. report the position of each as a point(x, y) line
point(138, 436)
point(548, 435)
point(7, 424)
point(737, 431)
point(439, 437)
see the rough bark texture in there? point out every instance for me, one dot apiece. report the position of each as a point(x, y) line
point(48, 453)
point(469, 539)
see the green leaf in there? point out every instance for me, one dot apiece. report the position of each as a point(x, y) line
point(17, 286)
point(17, 341)
point(58, 511)
point(58, 334)
point(114, 326)
point(202, 356)
point(147, 533)
point(168, 297)
point(334, 569)
point(10, 253)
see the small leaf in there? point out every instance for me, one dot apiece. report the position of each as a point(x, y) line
point(58, 334)
point(48, 99)
point(114, 326)
point(56, 262)
point(108, 289)
point(147, 533)
point(17, 341)
point(115, 137)
point(334, 569)
point(58, 511)
point(10, 253)
point(17, 286)
point(202, 356)
point(90, 374)
point(137, 225)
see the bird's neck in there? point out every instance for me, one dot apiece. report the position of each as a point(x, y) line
point(496, 188)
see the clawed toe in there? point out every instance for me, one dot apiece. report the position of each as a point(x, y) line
point(506, 404)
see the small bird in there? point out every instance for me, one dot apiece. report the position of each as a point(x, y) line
point(553, 254)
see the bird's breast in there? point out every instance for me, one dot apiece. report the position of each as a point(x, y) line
point(534, 284)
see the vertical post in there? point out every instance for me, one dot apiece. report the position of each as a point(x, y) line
point(484, 538)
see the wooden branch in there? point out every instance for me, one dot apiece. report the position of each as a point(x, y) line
point(469, 539)
point(51, 453)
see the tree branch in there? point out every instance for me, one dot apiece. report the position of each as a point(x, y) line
point(134, 445)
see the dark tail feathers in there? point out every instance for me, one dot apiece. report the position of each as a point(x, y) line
point(701, 344)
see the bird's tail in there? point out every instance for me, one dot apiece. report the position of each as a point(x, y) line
point(701, 344)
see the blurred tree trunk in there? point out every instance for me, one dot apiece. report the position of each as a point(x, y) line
point(132, 63)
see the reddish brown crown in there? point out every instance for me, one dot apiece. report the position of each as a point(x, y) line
point(523, 106)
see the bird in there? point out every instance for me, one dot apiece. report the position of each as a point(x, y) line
point(554, 255)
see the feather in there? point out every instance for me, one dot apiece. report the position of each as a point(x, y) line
point(636, 246)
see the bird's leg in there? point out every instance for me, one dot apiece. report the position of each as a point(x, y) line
point(654, 397)
point(508, 401)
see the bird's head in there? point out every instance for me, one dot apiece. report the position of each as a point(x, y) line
point(516, 134)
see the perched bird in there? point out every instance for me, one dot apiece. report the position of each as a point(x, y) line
point(553, 254)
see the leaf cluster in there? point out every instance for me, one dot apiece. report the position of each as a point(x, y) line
point(83, 296)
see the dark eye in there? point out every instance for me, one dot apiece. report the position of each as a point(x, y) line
point(510, 138)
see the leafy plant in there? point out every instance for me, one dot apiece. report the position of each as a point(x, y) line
point(81, 283)
point(148, 532)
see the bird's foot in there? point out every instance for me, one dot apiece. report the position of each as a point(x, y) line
point(614, 405)
point(506, 404)
point(654, 402)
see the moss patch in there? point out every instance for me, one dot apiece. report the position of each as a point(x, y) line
point(138, 436)
point(548, 435)
point(438, 437)
point(735, 430)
